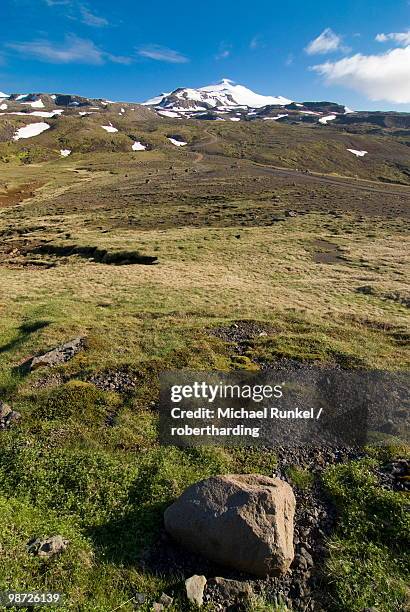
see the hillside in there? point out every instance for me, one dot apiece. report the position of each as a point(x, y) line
point(134, 243)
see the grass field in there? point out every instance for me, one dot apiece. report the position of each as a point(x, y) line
point(84, 461)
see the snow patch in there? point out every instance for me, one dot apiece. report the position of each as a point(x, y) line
point(16, 113)
point(326, 119)
point(166, 113)
point(358, 153)
point(36, 104)
point(3, 106)
point(156, 100)
point(177, 143)
point(235, 118)
point(275, 118)
point(45, 113)
point(34, 129)
point(138, 146)
point(109, 128)
point(65, 152)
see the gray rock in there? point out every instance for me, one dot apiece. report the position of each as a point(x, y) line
point(195, 586)
point(47, 547)
point(242, 521)
point(233, 590)
point(139, 598)
point(166, 600)
point(59, 355)
point(8, 417)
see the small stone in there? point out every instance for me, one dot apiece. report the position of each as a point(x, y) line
point(47, 547)
point(157, 607)
point(165, 600)
point(195, 586)
point(4, 410)
point(8, 417)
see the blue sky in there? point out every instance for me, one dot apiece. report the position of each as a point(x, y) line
point(354, 52)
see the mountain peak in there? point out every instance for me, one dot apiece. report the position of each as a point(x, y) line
point(225, 95)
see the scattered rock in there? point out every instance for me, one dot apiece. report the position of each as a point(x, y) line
point(120, 380)
point(59, 355)
point(242, 521)
point(8, 417)
point(157, 607)
point(242, 333)
point(291, 213)
point(48, 547)
point(165, 600)
point(195, 586)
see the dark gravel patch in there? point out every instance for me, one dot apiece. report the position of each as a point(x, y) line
point(242, 333)
point(121, 380)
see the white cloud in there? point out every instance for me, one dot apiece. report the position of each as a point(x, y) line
point(402, 38)
point(73, 50)
point(380, 77)
point(327, 42)
point(256, 42)
point(224, 51)
point(162, 54)
point(90, 19)
point(79, 11)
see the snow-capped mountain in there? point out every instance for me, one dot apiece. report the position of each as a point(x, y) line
point(229, 101)
point(225, 95)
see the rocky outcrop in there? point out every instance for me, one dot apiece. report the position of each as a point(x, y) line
point(59, 355)
point(244, 522)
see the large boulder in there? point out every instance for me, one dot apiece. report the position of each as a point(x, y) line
point(244, 522)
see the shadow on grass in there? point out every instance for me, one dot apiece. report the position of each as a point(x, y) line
point(124, 540)
point(24, 332)
point(139, 540)
point(118, 258)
